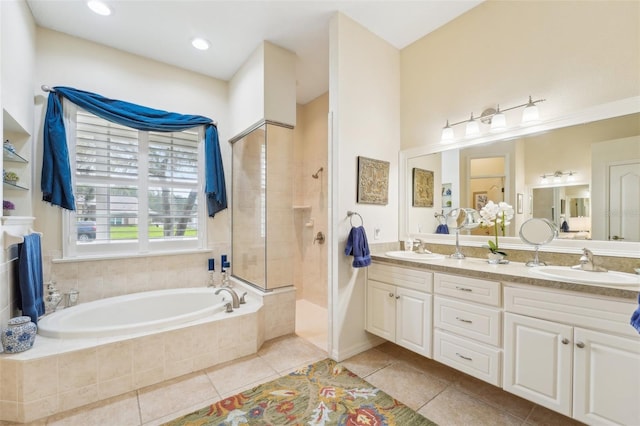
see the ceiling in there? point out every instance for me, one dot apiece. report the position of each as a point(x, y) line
point(162, 29)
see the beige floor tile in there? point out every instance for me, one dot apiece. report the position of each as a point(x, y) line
point(168, 397)
point(291, 350)
point(121, 410)
point(182, 412)
point(248, 386)
point(368, 362)
point(239, 374)
point(495, 396)
point(453, 407)
point(406, 384)
point(541, 416)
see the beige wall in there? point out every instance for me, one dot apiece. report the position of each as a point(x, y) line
point(364, 100)
point(576, 54)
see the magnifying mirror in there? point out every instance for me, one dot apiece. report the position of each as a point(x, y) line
point(462, 218)
point(538, 232)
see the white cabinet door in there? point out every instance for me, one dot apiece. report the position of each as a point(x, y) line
point(413, 316)
point(538, 360)
point(381, 309)
point(607, 379)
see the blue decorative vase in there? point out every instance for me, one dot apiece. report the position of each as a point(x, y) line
point(19, 335)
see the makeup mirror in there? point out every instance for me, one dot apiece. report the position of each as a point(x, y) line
point(462, 219)
point(537, 232)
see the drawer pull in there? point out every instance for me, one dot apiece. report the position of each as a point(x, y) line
point(464, 357)
point(391, 294)
point(565, 341)
point(580, 345)
point(397, 297)
point(464, 320)
point(463, 289)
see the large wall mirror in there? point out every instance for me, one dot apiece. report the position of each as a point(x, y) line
point(583, 176)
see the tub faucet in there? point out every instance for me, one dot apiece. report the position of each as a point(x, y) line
point(587, 263)
point(234, 296)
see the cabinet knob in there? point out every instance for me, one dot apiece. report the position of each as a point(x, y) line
point(397, 297)
point(580, 345)
point(391, 294)
point(565, 341)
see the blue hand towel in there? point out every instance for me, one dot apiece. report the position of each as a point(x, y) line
point(442, 229)
point(30, 282)
point(635, 317)
point(358, 246)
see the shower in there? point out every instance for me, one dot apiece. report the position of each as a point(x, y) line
point(317, 174)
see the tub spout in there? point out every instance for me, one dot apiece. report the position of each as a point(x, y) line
point(234, 296)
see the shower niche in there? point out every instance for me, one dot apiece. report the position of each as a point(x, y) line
point(262, 220)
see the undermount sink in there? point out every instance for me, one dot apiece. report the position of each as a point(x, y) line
point(566, 273)
point(412, 255)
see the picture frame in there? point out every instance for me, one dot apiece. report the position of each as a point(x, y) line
point(480, 199)
point(519, 203)
point(373, 181)
point(422, 187)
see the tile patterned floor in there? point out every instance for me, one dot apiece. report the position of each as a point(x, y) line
point(442, 394)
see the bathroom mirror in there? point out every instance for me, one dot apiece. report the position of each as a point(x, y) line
point(537, 232)
point(583, 144)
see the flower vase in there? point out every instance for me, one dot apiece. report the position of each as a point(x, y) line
point(495, 258)
point(19, 334)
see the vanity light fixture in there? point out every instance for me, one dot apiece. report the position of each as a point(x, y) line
point(99, 7)
point(495, 118)
point(557, 177)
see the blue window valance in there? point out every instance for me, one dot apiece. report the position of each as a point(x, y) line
point(56, 170)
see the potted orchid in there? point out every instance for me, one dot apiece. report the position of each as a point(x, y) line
point(7, 206)
point(497, 216)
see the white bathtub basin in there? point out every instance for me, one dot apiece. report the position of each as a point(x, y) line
point(566, 273)
point(412, 255)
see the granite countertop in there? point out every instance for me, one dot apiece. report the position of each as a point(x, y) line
point(513, 272)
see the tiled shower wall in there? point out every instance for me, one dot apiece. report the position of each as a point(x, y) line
point(311, 141)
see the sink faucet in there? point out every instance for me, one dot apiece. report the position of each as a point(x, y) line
point(234, 296)
point(587, 263)
point(419, 246)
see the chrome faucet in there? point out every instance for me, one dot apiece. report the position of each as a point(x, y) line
point(587, 263)
point(234, 296)
point(419, 246)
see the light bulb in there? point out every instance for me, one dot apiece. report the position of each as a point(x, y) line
point(447, 134)
point(571, 177)
point(530, 113)
point(498, 121)
point(473, 129)
point(200, 43)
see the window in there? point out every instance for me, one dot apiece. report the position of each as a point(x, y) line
point(135, 191)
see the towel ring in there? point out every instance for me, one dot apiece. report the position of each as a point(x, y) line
point(351, 214)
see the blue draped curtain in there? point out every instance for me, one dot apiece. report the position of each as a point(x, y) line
point(56, 170)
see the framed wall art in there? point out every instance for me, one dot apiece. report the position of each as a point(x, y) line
point(373, 181)
point(480, 199)
point(422, 188)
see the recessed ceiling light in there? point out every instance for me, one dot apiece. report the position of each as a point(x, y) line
point(200, 43)
point(99, 7)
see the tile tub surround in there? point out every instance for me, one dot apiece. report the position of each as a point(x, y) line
point(59, 375)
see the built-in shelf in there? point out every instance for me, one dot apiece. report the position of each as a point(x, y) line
point(13, 156)
point(10, 185)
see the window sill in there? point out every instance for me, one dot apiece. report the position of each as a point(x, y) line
point(91, 258)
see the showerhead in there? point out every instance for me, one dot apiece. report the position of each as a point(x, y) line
point(317, 174)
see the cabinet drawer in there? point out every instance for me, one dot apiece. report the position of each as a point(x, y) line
point(401, 276)
point(601, 313)
point(478, 322)
point(475, 359)
point(481, 291)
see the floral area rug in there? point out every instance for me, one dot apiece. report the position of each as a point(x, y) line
point(324, 393)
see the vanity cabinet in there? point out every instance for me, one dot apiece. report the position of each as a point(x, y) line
point(564, 363)
point(398, 306)
point(468, 325)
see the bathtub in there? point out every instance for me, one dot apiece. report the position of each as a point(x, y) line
point(134, 313)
